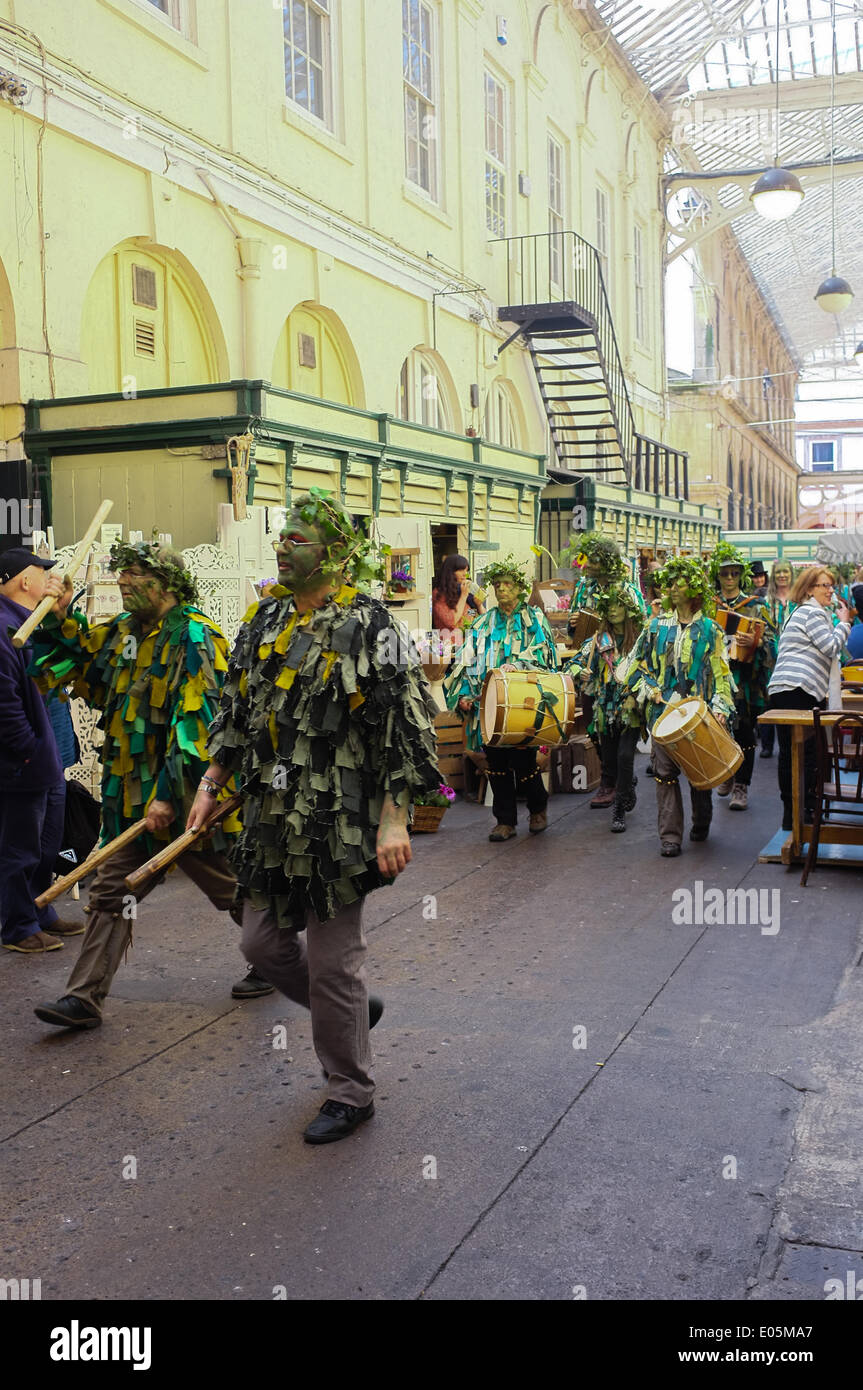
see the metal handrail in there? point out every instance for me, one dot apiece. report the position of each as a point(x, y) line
point(557, 267)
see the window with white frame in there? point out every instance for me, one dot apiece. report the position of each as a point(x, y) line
point(420, 395)
point(603, 232)
point(555, 211)
point(308, 56)
point(639, 287)
point(822, 457)
point(495, 156)
point(172, 10)
point(418, 63)
point(499, 425)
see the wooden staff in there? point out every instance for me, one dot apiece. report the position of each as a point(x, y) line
point(91, 862)
point(172, 852)
point(44, 608)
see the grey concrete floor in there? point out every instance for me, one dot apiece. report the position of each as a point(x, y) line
point(613, 1105)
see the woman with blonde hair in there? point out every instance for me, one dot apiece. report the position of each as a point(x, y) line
point(780, 605)
point(809, 646)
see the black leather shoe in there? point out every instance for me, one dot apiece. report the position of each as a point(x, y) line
point(68, 1012)
point(252, 986)
point(699, 832)
point(376, 1008)
point(336, 1121)
point(766, 753)
point(669, 849)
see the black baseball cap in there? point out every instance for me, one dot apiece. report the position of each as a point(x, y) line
point(16, 559)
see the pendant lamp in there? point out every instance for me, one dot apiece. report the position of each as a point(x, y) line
point(778, 192)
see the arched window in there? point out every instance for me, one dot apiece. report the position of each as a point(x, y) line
point(499, 420)
point(146, 325)
point(422, 392)
point(315, 357)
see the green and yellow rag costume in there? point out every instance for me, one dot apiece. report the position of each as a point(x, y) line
point(157, 692)
point(682, 659)
point(522, 639)
point(323, 715)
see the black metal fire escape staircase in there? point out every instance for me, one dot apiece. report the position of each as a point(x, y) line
point(556, 296)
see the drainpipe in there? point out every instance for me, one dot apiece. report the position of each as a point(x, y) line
point(249, 272)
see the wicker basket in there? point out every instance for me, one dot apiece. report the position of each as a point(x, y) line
point(427, 819)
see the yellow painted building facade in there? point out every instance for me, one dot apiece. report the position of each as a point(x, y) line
point(308, 198)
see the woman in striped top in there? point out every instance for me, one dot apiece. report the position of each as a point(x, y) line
point(808, 646)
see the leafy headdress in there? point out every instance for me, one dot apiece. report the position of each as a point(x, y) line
point(599, 550)
point(508, 568)
point(163, 561)
point(619, 595)
point(691, 571)
point(727, 554)
point(348, 549)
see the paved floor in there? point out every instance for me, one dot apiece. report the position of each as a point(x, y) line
point(579, 1095)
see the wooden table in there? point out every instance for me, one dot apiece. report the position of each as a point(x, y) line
point(801, 723)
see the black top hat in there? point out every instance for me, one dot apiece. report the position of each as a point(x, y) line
point(16, 559)
point(757, 567)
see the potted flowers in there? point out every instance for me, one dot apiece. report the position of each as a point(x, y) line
point(429, 809)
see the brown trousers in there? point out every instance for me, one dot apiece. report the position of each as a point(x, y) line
point(111, 910)
point(326, 975)
point(669, 798)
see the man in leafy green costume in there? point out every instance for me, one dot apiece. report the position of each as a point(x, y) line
point(680, 653)
point(155, 672)
point(327, 721)
point(513, 636)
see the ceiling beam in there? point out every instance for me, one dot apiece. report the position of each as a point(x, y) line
point(799, 94)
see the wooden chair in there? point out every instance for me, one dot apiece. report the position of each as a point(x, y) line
point(837, 750)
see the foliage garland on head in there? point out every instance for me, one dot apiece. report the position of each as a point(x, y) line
point(162, 561)
point(599, 550)
point(692, 571)
point(727, 554)
point(508, 568)
point(348, 548)
point(619, 595)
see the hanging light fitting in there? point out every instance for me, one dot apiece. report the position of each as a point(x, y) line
point(778, 192)
point(833, 294)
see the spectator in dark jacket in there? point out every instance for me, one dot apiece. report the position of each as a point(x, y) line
point(32, 787)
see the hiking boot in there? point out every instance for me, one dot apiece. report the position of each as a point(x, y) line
point(604, 797)
point(725, 787)
point(538, 822)
point(33, 945)
point(618, 816)
point(670, 849)
point(502, 832)
point(739, 797)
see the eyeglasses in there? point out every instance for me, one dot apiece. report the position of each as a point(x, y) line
point(824, 584)
point(289, 540)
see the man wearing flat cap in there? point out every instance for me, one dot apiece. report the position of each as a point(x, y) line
point(32, 786)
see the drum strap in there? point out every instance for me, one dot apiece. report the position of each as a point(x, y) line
point(547, 701)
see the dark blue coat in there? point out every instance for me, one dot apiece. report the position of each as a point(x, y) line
point(28, 751)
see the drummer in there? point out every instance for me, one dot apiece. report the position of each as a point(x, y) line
point(513, 636)
point(614, 728)
point(731, 575)
point(680, 653)
point(601, 565)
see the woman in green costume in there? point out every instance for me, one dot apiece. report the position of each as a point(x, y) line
point(615, 725)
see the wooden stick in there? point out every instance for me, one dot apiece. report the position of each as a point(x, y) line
point(172, 852)
point(44, 608)
point(91, 862)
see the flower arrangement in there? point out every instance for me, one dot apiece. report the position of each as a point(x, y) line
point(444, 796)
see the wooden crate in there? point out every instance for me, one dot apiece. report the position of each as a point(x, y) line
point(565, 760)
point(449, 731)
